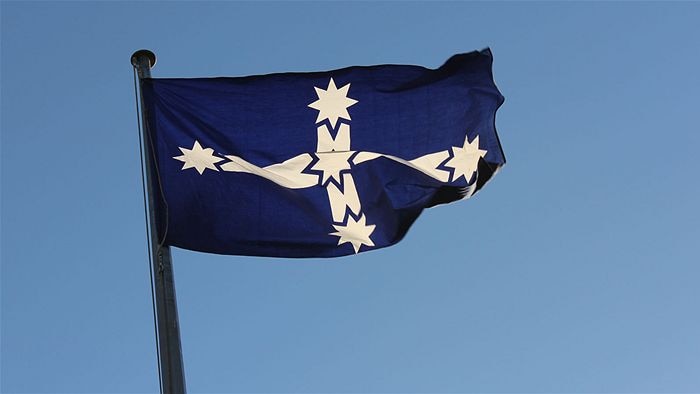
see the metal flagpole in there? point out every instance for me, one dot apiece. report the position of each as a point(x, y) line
point(169, 348)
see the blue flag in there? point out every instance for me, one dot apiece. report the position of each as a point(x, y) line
point(318, 164)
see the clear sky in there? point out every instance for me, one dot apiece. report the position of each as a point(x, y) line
point(576, 269)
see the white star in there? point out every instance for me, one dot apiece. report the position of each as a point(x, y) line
point(331, 163)
point(465, 159)
point(198, 158)
point(332, 103)
point(356, 232)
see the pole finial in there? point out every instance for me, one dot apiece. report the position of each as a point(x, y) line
point(143, 53)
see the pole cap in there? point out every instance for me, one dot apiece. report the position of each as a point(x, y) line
point(141, 53)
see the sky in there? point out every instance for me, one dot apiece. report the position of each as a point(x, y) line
point(575, 269)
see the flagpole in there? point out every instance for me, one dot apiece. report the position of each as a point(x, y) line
point(169, 348)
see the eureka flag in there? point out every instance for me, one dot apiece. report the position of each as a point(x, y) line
point(318, 164)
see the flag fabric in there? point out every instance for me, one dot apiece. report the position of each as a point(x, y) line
point(318, 164)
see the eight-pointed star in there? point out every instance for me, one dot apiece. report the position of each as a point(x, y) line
point(465, 159)
point(198, 158)
point(332, 103)
point(355, 232)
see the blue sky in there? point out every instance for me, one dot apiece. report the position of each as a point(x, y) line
point(575, 270)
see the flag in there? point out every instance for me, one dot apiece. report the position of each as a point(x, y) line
point(318, 164)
